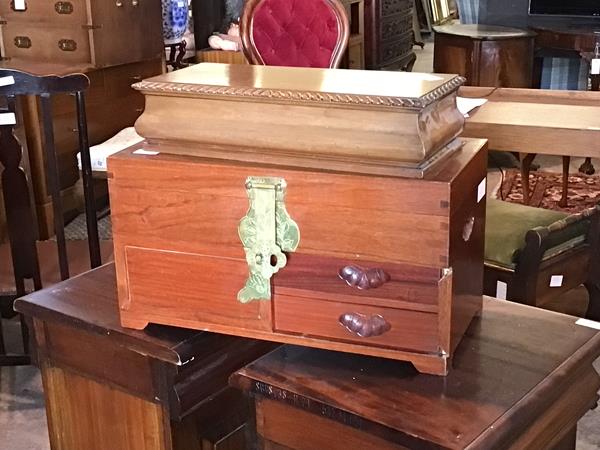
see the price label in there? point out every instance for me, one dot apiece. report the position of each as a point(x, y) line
point(20, 5)
point(596, 66)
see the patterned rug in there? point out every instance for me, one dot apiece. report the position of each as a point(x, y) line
point(76, 230)
point(546, 190)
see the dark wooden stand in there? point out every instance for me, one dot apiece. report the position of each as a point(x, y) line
point(485, 55)
point(522, 378)
point(107, 387)
point(573, 41)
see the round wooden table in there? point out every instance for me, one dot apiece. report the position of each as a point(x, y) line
point(486, 55)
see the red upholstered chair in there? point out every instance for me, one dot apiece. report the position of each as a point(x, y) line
point(299, 33)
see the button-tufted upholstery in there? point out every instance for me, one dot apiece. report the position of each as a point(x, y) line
point(300, 33)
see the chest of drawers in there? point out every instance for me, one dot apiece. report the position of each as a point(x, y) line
point(97, 32)
point(315, 217)
point(389, 34)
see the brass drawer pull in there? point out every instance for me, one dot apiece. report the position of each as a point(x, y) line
point(364, 279)
point(365, 326)
point(22, 42)
point(67, 45)
point(63, 7)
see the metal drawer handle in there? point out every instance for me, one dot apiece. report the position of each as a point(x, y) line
point(22, 42)
point(365, 326)
point(364, 279)
point(135, 2)
point(67, 45)
point(63, 7)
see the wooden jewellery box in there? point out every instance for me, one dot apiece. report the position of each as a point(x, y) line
point(328, 208)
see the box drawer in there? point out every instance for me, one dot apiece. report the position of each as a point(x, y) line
point(30, 41)
point(64, 12)
point(367, 325)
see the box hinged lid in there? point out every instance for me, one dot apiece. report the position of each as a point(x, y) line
point(350, 120)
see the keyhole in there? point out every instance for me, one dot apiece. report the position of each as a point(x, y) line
point(273, 261)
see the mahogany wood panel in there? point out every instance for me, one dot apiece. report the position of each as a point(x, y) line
point(181, 239)
point(205, 287)
point(286, 426)
point(509, 388)
point(408, 330)
point(486, 56)
point(119, 421)
point(110, 387)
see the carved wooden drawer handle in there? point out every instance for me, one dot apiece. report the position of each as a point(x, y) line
point(365, 326)
point(363, 279)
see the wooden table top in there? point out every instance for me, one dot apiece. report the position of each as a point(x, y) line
point(512, 364)
point(536, 121)
point(483, 32)
point(89, 301)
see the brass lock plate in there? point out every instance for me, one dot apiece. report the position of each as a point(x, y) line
point(63, 7)
point(67, 45)
point(266, 232)
point(22, 42)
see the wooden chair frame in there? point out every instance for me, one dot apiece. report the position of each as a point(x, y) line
point(252, 53)
point(20, 211)
point(529, 282)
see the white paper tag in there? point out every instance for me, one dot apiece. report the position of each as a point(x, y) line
point(19, 5)
point(481, 189)
point(7, 81)
point(141, 151)
point(501, 288)
point(180, 4)
point(595, 66)
point(8, 119)
point(588, 323)
point(556, 281)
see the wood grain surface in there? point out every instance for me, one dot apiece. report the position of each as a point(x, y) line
point(521, 378)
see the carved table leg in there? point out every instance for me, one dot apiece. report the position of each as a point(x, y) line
point(526, 160)
point(566, 160)
point(587, 167)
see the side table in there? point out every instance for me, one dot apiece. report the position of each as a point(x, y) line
point(107, 387)
point(522, 378)
point(485, 55)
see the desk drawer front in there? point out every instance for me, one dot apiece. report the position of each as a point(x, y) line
point(362, 324)
point(45, 43)
point(57, 12)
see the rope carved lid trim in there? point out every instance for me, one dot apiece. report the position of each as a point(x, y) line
point(268, 94)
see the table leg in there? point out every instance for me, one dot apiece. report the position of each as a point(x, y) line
point(566, 160)
point(595, 82)
point(526, 159)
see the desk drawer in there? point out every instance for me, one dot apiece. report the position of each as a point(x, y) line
point(58, 12)
point(366, 325)
point(31, 41)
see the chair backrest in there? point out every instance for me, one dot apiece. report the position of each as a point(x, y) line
point(298, 33)
point(20, 212)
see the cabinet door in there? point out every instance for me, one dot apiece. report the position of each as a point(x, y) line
point(124, 31)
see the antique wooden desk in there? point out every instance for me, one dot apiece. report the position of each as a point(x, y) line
point(522, 378)
point(533, 121)
point(111, 388)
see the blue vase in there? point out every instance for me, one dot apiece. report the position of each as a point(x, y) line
point(175, 20)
